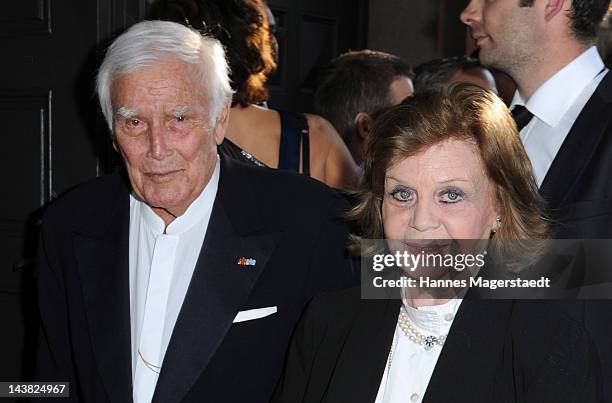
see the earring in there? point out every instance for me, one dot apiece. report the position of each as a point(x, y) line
point(498, 222)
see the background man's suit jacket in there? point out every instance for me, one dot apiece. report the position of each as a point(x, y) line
point(291, 225)
point(496, 351)
point(578, 185)
point(578, 192)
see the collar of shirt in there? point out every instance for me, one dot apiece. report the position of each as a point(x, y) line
point(434, 319)
point(193, 215)
point(551, 100)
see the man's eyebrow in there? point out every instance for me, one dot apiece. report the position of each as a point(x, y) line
point(180, 111)
point(125, 113)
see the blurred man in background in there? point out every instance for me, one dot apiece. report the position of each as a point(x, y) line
point(438, 73)
point(356, 86)
point(563, 109)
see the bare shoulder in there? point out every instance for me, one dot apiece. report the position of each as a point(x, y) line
point(256, 130)
point(321, 129)
point(245, 121)
point(336, 165)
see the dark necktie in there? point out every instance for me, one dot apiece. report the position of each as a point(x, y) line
point(521, 116)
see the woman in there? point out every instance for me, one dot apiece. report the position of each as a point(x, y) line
point(299, 142)
point(443, 166)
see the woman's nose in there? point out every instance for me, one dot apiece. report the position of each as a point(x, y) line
point(424, 217)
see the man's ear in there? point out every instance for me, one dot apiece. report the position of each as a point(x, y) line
point(222, 122)
point(115, 145)
point(554, 7)
point(363, 125)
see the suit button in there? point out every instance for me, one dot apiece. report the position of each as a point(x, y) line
point(414, 397)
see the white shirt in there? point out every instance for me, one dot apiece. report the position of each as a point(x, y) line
point(162, 261)
point(410, 366)
point(555, 105)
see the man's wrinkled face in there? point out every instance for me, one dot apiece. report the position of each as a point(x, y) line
point(162, 129)
point(506, 33)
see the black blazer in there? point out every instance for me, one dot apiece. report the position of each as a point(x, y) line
point(578, 185)
point(289, 223)
point(496, 351)
point(578, 192)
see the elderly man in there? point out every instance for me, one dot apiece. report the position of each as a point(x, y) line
point(357, 85)
point(184, 281)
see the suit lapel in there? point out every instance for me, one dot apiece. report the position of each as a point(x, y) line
point(101, 251)
point(579, 146)
point(362, 364)
point(219, 288)
point(468, 362)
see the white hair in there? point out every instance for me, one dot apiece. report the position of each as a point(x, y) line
point(150, 42)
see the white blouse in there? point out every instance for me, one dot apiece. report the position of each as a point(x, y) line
point(410, 366)
point(556, 105)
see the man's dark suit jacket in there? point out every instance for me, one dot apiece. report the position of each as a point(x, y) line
point(578, 185)
point(496, 351)
point(578, 192)
point(291, 225)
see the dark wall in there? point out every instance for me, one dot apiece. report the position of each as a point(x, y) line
point(311, 33)
point(52, 138)
point(417, 30)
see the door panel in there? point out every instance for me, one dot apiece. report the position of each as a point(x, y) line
point(310, 34)
point(53, 137)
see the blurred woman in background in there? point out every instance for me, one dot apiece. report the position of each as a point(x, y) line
point(297, 142)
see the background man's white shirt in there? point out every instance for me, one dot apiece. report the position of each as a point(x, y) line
point(556, 105)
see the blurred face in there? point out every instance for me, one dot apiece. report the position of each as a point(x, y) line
point(479, 76)
point(441, 193)
point(400, 89)
point(272, 30)
point(506, 34)
point(161, 128)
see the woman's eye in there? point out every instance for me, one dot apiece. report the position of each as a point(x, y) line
point(452, 196)
point(402, 195)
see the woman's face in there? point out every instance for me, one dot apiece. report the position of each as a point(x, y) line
point(439, 194)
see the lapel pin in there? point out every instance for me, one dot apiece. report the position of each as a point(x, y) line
point(243, 261)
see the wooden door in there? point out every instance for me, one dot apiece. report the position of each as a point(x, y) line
point(310, 34)
point(53, 138)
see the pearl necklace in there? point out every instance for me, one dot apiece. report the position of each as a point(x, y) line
point(428, 342)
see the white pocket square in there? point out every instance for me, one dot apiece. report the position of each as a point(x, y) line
point(255, 314)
